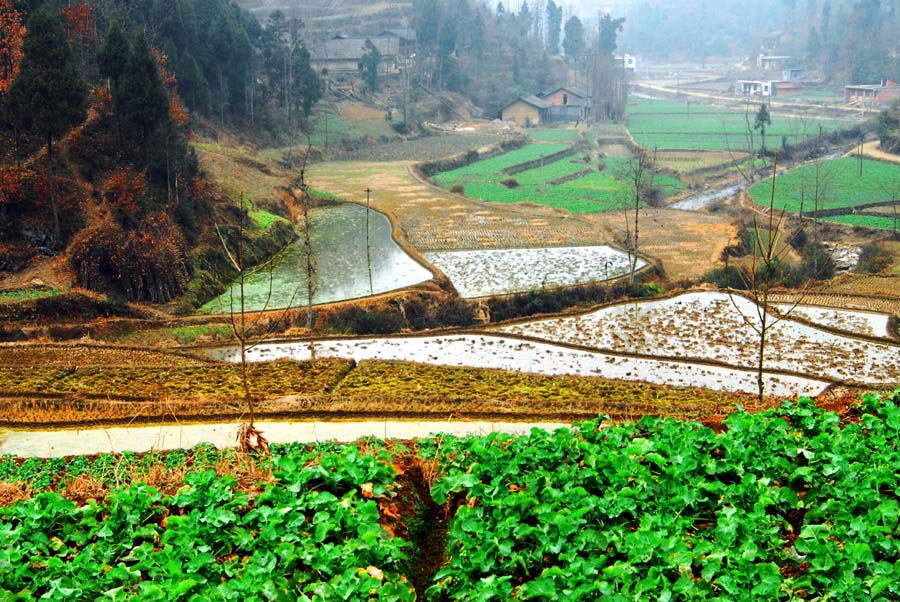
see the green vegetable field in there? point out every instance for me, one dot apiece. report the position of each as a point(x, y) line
point(678, 125)
point(312, 532)
point(842, 186)
point(795, 503)
point(594, 192)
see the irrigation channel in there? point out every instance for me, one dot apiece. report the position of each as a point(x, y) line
point(68, 442)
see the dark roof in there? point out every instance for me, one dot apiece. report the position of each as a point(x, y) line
point(532, 100)
point(407, 35)
point(570, 89)
point(344, 48)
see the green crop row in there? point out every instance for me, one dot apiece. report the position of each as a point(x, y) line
point(784, 505)
point(595, 192)
point(867, 221)
point(312, 532)
point(25, 294)
point(554, 135)
point(494, 165)
point(839, 185)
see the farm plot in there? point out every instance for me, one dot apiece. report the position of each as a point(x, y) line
point(536, 357)
point(675, 125)
point(435, 220)
point(420, 149)
point(852, 322)
point(783, 505)
point(312, 531)
point(707, 326)
point(596, 191)
point(500, 272)
point(688, 162)
point(844, 189)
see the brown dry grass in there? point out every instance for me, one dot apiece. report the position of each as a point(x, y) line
point(354, 111)
point(240, 169)
point(687, 244)
point(85, 355)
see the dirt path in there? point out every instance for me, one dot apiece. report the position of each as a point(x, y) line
point(873, 150)
point(56, 443)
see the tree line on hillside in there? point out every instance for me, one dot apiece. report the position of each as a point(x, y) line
point(94, 128)
point(494, 54)
point(850, 41)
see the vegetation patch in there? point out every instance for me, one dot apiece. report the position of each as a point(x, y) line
point(26, 294)
point(786, 503)
point(841, 187)
point(668, 124)
point(596, 191)
point(795, 501)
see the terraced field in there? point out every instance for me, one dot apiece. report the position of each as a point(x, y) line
point(844, 188)
point(591, 190)
point(435, 220)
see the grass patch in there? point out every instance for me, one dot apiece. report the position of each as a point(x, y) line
point(25, 294)
point(183, 335)
point(679, 125)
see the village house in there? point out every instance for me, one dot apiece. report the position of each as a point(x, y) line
point(768, 88)
point(341, 54)
point(566, 104)
point(752, 87)
point(527, 111)
point(772, 62)
point(872, 95)
point(628, 62)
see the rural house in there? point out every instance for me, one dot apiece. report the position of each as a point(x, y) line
point(772, 62)
point(566, 104)
point(341, 54)
point(526, 111)
point(872, 95)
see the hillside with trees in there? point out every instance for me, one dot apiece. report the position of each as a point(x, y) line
point(96, 104)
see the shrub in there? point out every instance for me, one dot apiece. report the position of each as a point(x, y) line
point(458, 189)
point(874, 259)
point(510, 183)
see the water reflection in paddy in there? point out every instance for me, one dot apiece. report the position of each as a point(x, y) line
point(342, 266)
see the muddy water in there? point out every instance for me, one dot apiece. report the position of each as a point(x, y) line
point(57, 443)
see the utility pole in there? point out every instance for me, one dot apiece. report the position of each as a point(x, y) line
point(368, 248)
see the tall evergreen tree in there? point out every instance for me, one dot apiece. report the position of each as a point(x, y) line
point(113, 55)
point(574, 43)
point(142, 105)
point(368, 67)
point(48, 96)
point(554, 24)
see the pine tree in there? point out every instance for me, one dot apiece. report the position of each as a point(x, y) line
point(49, 95)
point(113, 55)
point(141, 101)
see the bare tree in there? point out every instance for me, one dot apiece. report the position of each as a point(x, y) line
point(640, 174)
point(243, 327)
point(762, 276)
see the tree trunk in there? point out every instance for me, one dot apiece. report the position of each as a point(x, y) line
point(57, 229)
